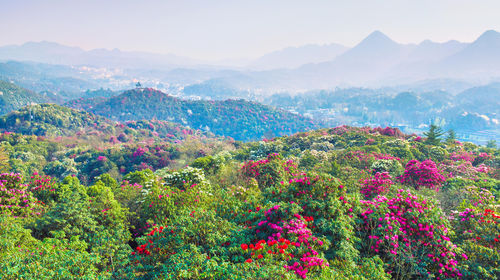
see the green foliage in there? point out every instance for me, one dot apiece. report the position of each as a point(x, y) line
point(164, 210)
point(23, 257)
point(433, 135)
point(451, 137)
point(392, 166)
point(239, 119)
point(13, 97)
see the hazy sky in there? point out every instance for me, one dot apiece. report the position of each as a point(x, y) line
point(213, 29)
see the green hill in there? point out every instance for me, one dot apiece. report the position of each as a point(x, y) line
point(240, 119)
point(54, 120)
point(13, 97)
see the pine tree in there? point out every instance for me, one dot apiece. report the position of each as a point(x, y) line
point(452, 137)
point(492, 144)
point(433, 135)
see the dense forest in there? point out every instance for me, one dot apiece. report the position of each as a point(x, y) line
point(339, 203)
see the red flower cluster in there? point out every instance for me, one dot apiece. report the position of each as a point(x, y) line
point(274, 247)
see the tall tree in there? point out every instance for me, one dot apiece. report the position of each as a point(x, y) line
point(452, 137)
point(433, 135)
point(492, 144)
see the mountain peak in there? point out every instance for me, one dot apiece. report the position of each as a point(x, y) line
point(377, 39)
point(377, 36)
point(489, 36)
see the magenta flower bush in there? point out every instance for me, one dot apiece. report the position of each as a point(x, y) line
point(270, 171)
point(477, 228)
point(410, 234)
point(463, 169)
point(377, 184)
point(15, 198)
point(422, 174)
point(289, 235)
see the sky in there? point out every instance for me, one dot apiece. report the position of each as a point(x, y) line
point(214, 30)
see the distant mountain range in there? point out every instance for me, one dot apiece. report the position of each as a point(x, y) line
point(54, 53)
point(376, 61)
point(293, 57)
point(379, 61)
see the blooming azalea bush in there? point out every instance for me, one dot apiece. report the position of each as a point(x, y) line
point(270, 171)
point(462, 155)
point(393, 166)
point(15, 197)
point(463, 169)
point(182, 178)
point(478, 233)
point(482, 158)
point(410, 235)
point(284, 238)
point(43, 188)
point(376, 185)
point(422, 174)
point(195, 236)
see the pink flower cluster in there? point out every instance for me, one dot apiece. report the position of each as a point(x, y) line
point(462, 155)
point(400, 226)
point(15, 198)
point(377, 184)
point(139, 152)
point(422, 174)
point(102, 158)
point(463, 169)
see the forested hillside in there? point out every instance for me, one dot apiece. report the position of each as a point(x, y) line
point(239, 119)
point(13, 97)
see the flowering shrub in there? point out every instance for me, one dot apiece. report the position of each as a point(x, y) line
point(392, 166)
point(481, 158)
point(183, 247)
point(185, 177)
point(139, 152)
point(15, 198)
point(270, 171)
point(288, 238)
point(364, 160)
point(463, 169)
point(102, 158)
point(422, 174)
point(377, 184)
point(478, 234)
point(462, 155)
point(43, 188)
point(410, 235)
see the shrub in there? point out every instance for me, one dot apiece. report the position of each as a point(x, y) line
point(422, 174)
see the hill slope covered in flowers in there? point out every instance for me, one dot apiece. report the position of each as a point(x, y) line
point(340, 203)
point(239, 119)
